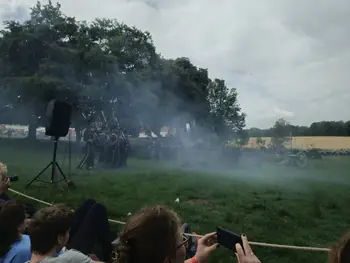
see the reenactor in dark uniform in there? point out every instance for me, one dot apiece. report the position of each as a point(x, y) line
point(110, 141)
point(156, 148)
point(114, 151)
point(125, 148)
point(89, 158)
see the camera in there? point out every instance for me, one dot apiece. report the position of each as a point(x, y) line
point(13, 178)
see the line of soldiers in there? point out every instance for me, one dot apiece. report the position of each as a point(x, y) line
point(112, 147)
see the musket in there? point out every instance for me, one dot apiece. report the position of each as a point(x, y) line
point(104, 117)
point(84, 116)
point(115, 120)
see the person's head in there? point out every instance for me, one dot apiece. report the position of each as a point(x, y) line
point(49, 229)
point(340, 251)
point(3, 170)
point(152, 236)
point(12, 216)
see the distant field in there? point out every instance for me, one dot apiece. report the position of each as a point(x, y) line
point(307, 142)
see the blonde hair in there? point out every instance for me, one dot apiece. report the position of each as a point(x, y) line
point(3, 171)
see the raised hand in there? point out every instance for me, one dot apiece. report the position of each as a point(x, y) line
point(246, 255)
point(205, 247)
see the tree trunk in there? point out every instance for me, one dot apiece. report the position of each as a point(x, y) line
point(33, 124)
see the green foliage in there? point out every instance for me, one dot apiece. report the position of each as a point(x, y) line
point(225, 111)
point(260, 141)
point(280, 131)
point(52, 55)
point(323, 128)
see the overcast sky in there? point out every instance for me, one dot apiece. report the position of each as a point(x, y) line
point(286, 58)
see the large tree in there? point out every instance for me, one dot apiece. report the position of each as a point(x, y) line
point(35, 54)
point(323, 128)
point(227, 117)
point(112, 66)
point(280, 131)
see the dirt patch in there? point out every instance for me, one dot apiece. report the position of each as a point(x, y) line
point(198, 202)
point(203, 202)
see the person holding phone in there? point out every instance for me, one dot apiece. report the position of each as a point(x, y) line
point(240, 243)
point(205, 247)
point(154, 236)
point(245, 254)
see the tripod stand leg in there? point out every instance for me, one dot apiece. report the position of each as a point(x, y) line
point(60, 170)
point(54, 165)
point(69, 182)
point(40, 173)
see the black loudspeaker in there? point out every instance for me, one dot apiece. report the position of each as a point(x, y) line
point(58, 116)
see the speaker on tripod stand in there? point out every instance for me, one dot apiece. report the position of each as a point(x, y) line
point(58, 117)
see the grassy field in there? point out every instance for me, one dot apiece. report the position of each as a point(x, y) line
point(285, 205)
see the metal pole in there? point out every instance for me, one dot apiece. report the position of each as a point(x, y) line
point(69, 153)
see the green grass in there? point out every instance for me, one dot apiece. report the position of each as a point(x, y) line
point(285, 205)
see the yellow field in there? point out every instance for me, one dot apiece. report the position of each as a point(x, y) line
point(309, 142)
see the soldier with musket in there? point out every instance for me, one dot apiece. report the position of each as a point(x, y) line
point(89, 157)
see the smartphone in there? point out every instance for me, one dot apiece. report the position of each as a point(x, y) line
point(227, 238)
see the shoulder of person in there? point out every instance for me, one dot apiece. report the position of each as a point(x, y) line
point(23, 255)
point(23, 243)
point(21, 251)
point(25, 238)
point(73, 255)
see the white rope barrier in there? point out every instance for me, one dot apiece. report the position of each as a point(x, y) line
point(250, 242)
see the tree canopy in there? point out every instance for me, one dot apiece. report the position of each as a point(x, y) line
point(52, 55)
point(323, 128)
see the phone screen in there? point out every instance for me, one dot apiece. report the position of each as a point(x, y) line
point(227, 238)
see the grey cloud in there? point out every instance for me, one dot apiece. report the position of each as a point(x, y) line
point(157, 4)
point(12, 11)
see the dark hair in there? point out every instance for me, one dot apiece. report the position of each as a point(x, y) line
point(340, 251)
point(12, 215)
point(46, 225)
point(148, 237)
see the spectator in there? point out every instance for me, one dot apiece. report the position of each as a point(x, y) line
point(153, 236)
point(52, 228)
point(340, 251)
point(14, 246)
point(91, 225)
point(5, 184)
point(245, 254)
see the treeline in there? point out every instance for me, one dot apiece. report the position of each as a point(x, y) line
point(323, 128)
point(109, 65)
